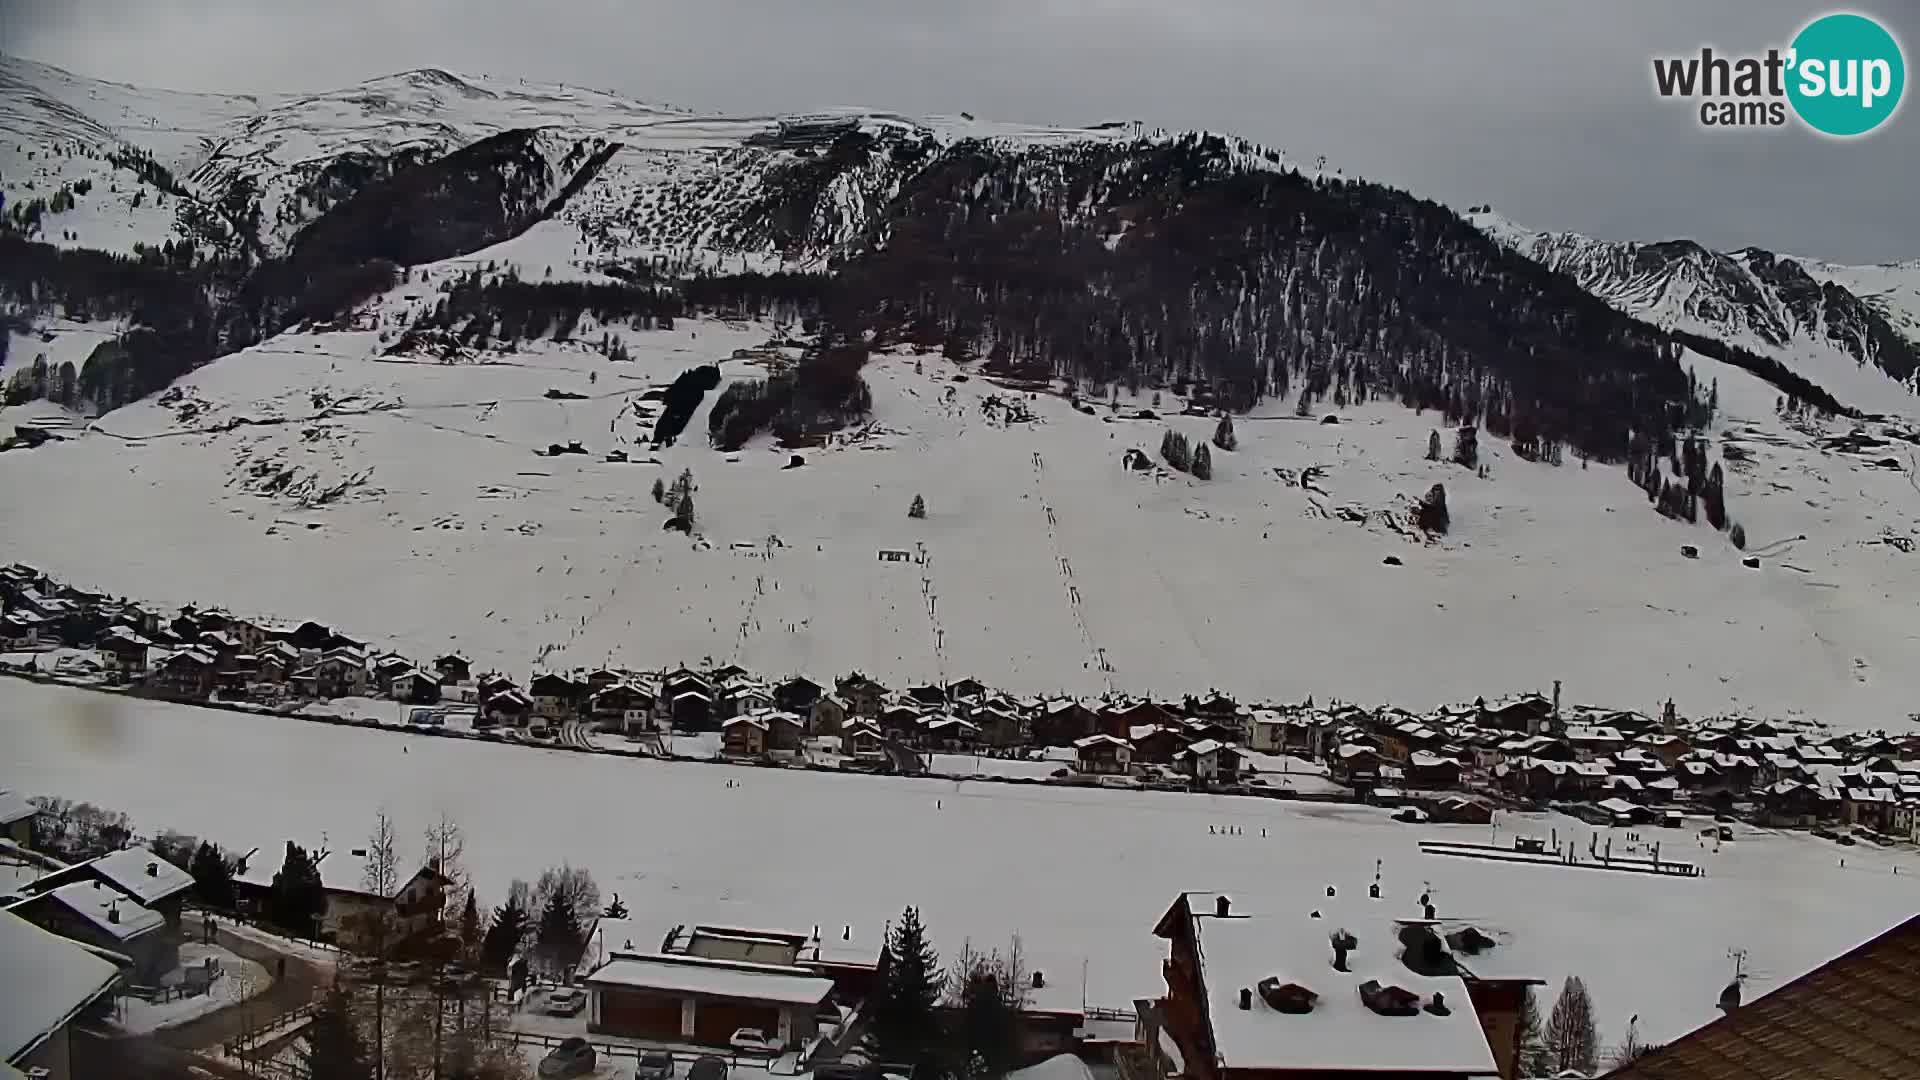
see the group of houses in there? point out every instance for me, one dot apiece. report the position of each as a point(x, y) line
point(1624, 765)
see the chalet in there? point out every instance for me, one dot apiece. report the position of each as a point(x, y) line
point(123, 652)
point(1332, 990)
point(1103, 755)
point(188, 674)
point(828, 716)
point(901, 720)
point(725, 672)
point(453, 669)
point(386, 669)
point(1430, 770)
point(744, 736)
point(1062, 723)
point(340, 673)
point(1460, 810)
point(964, 689)
point(59, 984)
point(556, 696)
point(1117, 720)
point(1209, 761)
point(1870, 808)
point(135, 874)
point(785, 731)
point(1790, 804)
point(692, 711)
point(739, 699)
point(1156, 744)
point(1527, 713)
point(1589, 743)
point(512, 708)
point(1217, 707)
point(616, 705)
point(16, 818)
point(601, 678)
point(415, 687)
point(1000, 726)
point(1355, 764)
point(93, 914)
point(863, 696)
point(797, 695)
point(20, 630)
point(700, 984)
point(681, 680)
point(927, 695)
point(864, 741)
point(494, 684)
point(413, 910)
point(951, 733)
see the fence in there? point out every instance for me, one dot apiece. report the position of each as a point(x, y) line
point(681, 1056)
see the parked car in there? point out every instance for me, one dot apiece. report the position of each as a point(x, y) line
point(1847, 841)
point(1412, 815)
point(566, 1002)
point(574, 1056)
point(1825, 833)
point(708, 1067)
point(654, 1065)
point(753, 1041)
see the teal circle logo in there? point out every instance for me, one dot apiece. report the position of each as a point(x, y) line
point(1848, 75)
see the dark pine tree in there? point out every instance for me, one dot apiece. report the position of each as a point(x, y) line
point(504, 936)
point(470, 921)
point(560, 935)
point(1202, 463)
point(919, 507)
point(1433, 446)
point(212, 877)
point(659, 491)
point(1223, 436)
point(906, 1020)
point(297, 900)
point(1466, 446)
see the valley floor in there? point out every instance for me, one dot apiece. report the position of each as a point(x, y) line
point(1081, 875)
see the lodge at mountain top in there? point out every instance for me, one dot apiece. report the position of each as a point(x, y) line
point(1612, 766)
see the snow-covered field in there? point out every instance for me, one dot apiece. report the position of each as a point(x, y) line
point(409, 502)
point(1082, 875)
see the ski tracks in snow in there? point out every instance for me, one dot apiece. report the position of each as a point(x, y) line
point(1096, 656)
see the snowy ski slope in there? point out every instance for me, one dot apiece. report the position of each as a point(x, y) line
point(1047, 565)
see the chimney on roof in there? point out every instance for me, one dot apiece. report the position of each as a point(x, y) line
point(153, 869)
point(1438, 1006)
point(1428, 909)
point(846, 932)
point(1222, 906)
point(1039, 980)
point(113, 913)
point(1246, 999)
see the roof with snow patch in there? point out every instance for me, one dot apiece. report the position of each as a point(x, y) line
point(67, 977)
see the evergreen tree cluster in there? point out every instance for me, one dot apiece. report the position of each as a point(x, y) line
point(1176, 451)
point(823, 393)
point(1223, 436)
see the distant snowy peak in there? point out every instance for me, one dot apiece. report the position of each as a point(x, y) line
point(1819, 318)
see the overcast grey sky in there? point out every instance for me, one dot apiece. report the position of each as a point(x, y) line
point(1542, 107)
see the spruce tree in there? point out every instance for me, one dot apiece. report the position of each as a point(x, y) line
point(1433, 446)
point(906, 1021)
point(504, 936)
point(1572, 1037)
point(297, 900)
point(1534, 1060)
point(1432, 514)
point(1223, 436)
point(615, 910)
point(1202, 463)
point(1738, 535)
point(1466, 446)
point(918, 509)
point(560, 935)
point(659, 491)
point(683, 508)
point(212, 877)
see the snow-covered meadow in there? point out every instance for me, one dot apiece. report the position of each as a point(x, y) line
point(1080, 874)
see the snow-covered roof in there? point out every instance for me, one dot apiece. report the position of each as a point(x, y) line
point(14, 807)
point(142, 875)
point(1424, 760)
point(1207, 746)
point(1092, 741)
point(1341, 1032)
point(66, 976)
point(106, 909)
point(689, 975)
point(1058, 1067)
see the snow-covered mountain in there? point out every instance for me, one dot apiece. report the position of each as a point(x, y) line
point(1854, 330)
